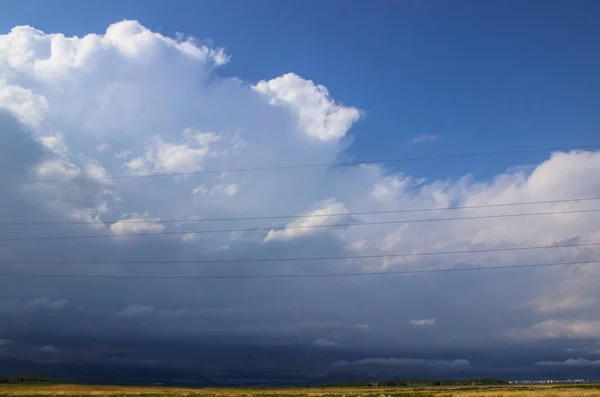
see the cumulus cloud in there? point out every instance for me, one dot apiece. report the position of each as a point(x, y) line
point(135, 310)
point(423, 322)
point(362, 326)
point(158, 103)
point(317, 114)
point(327, 212)
point(184, 156)
point(27, 106)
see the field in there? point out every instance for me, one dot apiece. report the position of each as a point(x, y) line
point(462, 391)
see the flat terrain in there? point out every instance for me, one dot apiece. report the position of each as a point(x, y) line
point(462, 391)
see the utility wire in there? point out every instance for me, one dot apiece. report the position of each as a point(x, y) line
point(318, 275)
point(16, 223)
point(298, 166)
point(306, 259)
point(286, 227)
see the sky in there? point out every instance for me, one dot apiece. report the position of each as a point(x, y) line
point(106, 266)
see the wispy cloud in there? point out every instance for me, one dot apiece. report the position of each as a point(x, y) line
point(324, 343)
point(423, 322)
point(423, 138)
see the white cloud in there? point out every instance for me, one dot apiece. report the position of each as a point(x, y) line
point(185, 156)
point(49, 349)
point(135, 310)
point(135, 223)
point(322, 342)
point(123, 154)
point(318, 115)
point(327, 212)
point(136, 90)
point(423, 138)
point(423, 322)
point(27, 106)
point(95, 171)
point(5, 342)
point(559, 329)
point(52, 57)
point(362, 326)
point(102, 147)
point(571, 362)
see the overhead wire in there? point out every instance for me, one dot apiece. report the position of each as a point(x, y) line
point(304, 259)
point(290, 276)
point(15, 239)
point(299, 166)
point(301, 216)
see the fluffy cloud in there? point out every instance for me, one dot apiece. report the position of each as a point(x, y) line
point(327, 212)
point(423, 322)
point(317, 114)
point(50, 57)
point(27, 106)
point(184, 156)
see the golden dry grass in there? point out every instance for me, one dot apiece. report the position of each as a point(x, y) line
point(466, 391)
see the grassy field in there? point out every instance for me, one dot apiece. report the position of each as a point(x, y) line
point(463, 391)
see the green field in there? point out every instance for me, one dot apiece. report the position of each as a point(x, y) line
point(22, 390)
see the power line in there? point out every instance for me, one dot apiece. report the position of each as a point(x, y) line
point(318, 275)
point(15, 223)
point(299, 166)
point(306, 259)
point(286, 227)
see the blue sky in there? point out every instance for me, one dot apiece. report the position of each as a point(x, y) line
point(94, 90)
point(482, 76)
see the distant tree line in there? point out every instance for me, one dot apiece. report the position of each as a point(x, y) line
point(413, 383)
point(23, 379)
